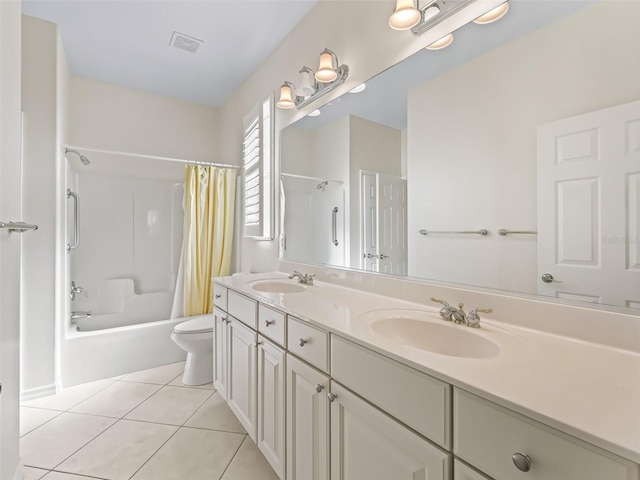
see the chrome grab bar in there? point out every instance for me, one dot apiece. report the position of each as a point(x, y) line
point(18, 227)
point(482, 232)
point(76, 227)
point(334, 225)
point(503, 233)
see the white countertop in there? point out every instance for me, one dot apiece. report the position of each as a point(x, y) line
point(587, 390)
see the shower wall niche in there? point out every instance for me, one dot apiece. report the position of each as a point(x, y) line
point(130, 243)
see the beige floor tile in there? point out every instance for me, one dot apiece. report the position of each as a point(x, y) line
point(29, 473)
point(120, 451)
point(69, 397)
point(215, 414)
point(171, 405)
point(117, 400)
point(159, 375)
point(177, 382)
point(249, 463)
point(65, 476)
point(53, 442)
point(192, 454)
point(32, 418)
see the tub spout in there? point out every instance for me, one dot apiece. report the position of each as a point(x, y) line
point(80, 315)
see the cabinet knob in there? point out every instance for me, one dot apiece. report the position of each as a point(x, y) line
point(302, 342)
point(269, 322)
point(521, 461)
point(225, 320)
point(218, 295)
point(331, 396)
point(319, 388)
point(259, 342)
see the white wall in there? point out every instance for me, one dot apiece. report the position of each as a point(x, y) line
point(359, 33)
point(111, 117)
point(40, 90)
point(10, 209)
point(472, 140)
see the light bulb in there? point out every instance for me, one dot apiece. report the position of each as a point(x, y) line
point(493, 15)
point(405, 16)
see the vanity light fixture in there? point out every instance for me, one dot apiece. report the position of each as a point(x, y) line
point(360, 88)
point(442, 43)
point(493, 15)
point(405, 15)
point(313, 85)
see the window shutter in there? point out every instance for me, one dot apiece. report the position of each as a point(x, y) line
point(257, 156)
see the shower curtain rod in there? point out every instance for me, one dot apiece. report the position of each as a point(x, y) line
point(151, 157)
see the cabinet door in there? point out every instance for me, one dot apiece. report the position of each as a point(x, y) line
point(307, 422)
point(221, 352)
point(242, 375)
point(366, 443)
point(271, 406)
point(463, 472)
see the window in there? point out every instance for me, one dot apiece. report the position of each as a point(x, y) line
point(257, 161)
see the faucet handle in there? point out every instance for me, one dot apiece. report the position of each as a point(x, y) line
point(444, 303)
point(473, 319)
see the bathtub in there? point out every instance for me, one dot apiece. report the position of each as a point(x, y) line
point(103, 353)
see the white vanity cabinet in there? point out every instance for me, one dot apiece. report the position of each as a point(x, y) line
point(271, 404)
point(307, 422)
point(220, 351)
point(368, 444)
point(242, 384)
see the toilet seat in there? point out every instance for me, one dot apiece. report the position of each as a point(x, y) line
point(202, 324)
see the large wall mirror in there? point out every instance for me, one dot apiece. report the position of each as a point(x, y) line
point(509, 160)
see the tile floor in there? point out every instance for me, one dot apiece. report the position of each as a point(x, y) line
point(142, 426)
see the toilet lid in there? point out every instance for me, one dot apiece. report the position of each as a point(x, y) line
point(202, 324)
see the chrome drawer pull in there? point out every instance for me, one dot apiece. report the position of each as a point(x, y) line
point(269, 322)
point(331, 396)
point(521, 461)
point(302, 342)
point(319, 388)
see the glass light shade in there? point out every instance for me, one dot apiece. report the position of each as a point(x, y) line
point(442, 43)
point(431, 11)
point(286, 101)
point(306, 87)
point(326, 72)
point(315, 113)
point(405, 16)
point(493, 15)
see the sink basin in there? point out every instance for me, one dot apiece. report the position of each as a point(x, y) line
point(425, 331)
point(276, 286)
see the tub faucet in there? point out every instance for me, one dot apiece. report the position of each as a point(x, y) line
point(80, 315)
point(303, 278)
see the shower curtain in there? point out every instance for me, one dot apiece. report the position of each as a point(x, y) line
point(209, 201)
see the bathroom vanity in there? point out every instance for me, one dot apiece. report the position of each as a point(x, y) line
point(338, 382)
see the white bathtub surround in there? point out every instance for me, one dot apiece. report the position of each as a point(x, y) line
point(555, 374)
point(171, 431)
point(209, 202)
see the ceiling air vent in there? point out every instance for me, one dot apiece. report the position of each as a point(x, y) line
point(185, 42)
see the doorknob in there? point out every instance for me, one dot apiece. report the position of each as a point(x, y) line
point(548, 278)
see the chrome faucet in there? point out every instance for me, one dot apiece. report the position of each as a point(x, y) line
point(80, 315)
point(303, 278)
point(458, 315)
point(75, 290)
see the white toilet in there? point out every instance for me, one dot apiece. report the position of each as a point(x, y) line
point(195, 336)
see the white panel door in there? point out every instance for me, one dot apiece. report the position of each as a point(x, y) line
point(307, 422)
point(367, 444)
point(392, 224)
point(369, 221)
point(221, 352)
point(589, 206)
point(271, 404)
point(242, 375)
point(10, 245)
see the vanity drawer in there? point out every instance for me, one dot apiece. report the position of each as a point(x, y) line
point(242, 308)
point(271, 323)
point(308, 343)
point(487, 436)
point(416, 399)
point(220, 296)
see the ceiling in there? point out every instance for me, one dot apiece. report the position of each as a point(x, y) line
point(126, 42)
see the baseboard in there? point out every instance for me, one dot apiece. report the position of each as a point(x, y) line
point(38, 392)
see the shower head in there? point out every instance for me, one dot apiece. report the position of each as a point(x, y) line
point(83, 159)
